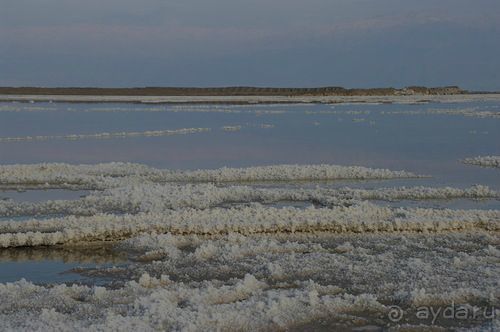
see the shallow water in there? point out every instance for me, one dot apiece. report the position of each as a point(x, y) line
point(424, 143)
point(41, 195)
point(56, 265)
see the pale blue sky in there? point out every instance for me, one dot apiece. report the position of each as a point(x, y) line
point(352, 43)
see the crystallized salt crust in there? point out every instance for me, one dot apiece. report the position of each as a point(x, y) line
point(487, 161)
point(214, 251)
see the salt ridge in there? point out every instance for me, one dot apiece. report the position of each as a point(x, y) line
point(72, 137)
point(486, 161)
point(361, 218)
point(158, 198)
point(110, 175)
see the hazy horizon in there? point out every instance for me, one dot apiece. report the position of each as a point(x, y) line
point(353, 44)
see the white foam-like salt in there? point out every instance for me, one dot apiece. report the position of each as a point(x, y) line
point(161, 197)
point(124, 134)
point(110, 175)
point(485, 161)
point(212, 255)
point(361, 218)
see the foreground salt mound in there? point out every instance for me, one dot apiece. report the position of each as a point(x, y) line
point(208, 254)
point(103, 176)
point(487, 161)
point(409, 269)
point(266, 283)
point(160, 304)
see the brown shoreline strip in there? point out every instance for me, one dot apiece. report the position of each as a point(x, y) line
point(230, 91)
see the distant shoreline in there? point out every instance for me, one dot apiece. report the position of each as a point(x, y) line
point(242, 95)
point(230, 91)
point(253, 100)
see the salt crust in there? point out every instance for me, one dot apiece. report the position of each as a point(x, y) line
point(361, 218)
point(218, 258)
point(272, 288)
point(160, 197)
point(486, 161)
point(110, 175)
point(124, 134)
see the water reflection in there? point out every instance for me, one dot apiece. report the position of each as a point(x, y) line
point(52, 264)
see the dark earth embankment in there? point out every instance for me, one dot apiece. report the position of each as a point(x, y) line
point(231, 91)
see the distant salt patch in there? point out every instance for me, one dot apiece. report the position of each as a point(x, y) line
point(472, 112)
point(25, 108)
point(231, 128)
point(236, 109)
point(486, 161)
point(125, 134)
point(476, 112)
point(337, 112)
point(358, 120)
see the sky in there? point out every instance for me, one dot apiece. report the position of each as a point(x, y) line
point(289, 43)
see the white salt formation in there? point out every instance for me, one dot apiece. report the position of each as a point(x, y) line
point(125, 134)
point(110, 175)
point(262, 283)
point(473, 112)
point(487, 161)
point(215, 250)
point(477, 112)
point(361, 218)
point(163, 197)
point(231, 128)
